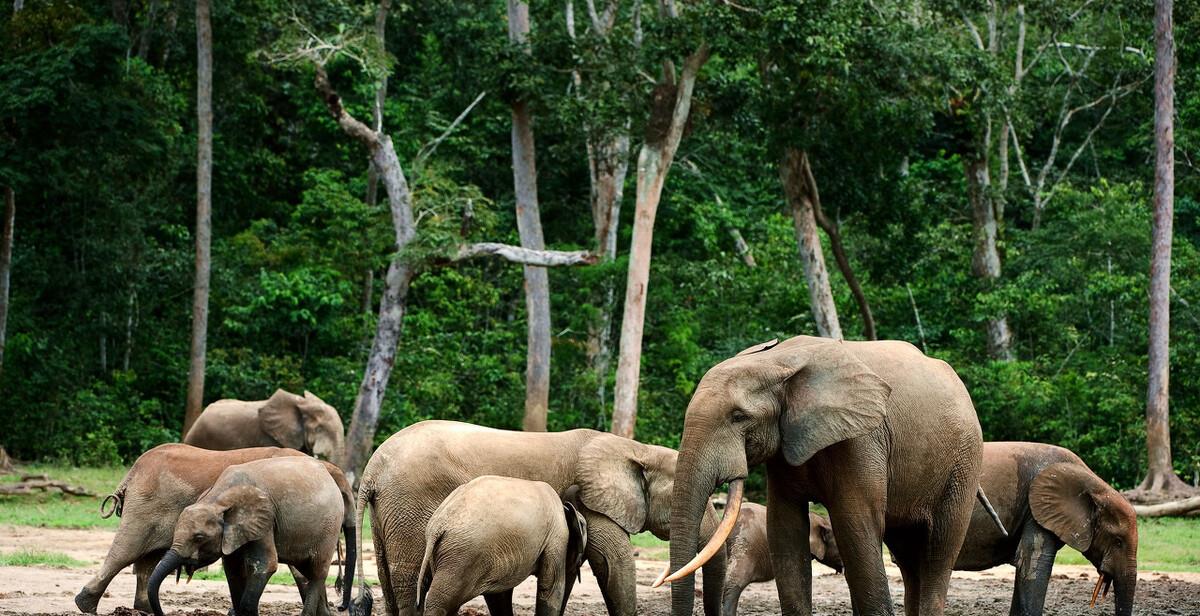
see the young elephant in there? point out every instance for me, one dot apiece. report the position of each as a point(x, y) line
point(260, 514)
point(492, 533)
point(1046, 497)
point(750, 556)
point(304, 423)
point(159, 485)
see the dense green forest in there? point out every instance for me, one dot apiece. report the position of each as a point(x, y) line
point(896, 107)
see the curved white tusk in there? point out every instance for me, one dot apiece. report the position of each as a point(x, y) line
point(717, 542)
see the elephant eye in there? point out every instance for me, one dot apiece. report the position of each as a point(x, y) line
point(738, 416)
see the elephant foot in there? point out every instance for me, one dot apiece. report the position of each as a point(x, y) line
point(87, 601)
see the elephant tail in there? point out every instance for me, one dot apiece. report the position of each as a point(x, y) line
point(117, 498)
point(362, 604)
point(987, 506)
point(426, 566)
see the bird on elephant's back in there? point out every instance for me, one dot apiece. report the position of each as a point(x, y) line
point(304, 423)
point(624, 487)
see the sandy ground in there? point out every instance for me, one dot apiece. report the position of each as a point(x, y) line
point(41, 590)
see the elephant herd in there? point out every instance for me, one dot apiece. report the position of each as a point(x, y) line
point(881, 435)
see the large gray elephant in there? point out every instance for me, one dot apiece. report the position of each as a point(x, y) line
point(159, 485)
point(625, 487)
point(492, 533)
point(1046, 497)
point(750, 556)
point(304, 423)
point(260, 514)
point(885, 437)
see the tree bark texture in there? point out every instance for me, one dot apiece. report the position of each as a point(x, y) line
point(834, 232)
point(388, 329)
point(204, 120)
point(801, 196)
point(525, 256)
point(608, 163)
point(1161, 476)
point(671, 106)
point(985, 260)
point(7, 226)
point(529, 227)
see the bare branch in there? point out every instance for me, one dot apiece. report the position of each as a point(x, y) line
point(525, 256)
point(353, 127)
point(429, 148)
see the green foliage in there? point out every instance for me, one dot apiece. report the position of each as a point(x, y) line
point(38, 558)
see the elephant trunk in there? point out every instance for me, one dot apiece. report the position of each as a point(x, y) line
point(715, 569)
point(170, 562)
point(688, 505)
point(1124, 587)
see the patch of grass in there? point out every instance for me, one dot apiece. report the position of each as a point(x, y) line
point(1164, 544)
point(649, 547)
point(53, 509)
point(38, 558)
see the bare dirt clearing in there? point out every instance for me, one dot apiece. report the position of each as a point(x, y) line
point(42, 590)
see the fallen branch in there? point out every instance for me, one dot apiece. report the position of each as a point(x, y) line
point(1179, 507)
point(30, 483)
point(525, 256)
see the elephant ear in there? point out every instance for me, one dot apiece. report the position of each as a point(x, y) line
point(830, 397)
point(576, 536)
point(612, 481)
point(279, 418)
point(248, 516)
point(1061, 500)
point(816, 537)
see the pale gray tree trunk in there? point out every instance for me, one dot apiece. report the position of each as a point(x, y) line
point(800, 194)
point(392, 306)
point(204, 119)
point(668, 116)
point(6, 246)
point(529, 226)
point(381, 14)
point(1161, 478)
point(985, 259)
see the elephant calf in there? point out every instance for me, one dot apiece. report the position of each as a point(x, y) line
point(260, 514)
point(489, 535)
point(1046, 497)
point(304, 423)
point(159, 485)
point(750, 556)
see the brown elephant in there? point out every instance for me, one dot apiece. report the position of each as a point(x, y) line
point(159, 485)
point(1048, 497)
point(885, 437)
point(750, 556)
point(260, 514)
point(489, 535)
point(624, 486)
point(304, 423)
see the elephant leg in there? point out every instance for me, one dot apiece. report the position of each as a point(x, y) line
point(550, 586)
point(235, 576)
point(611, 557)
point(499, 603)
point(316, 602)
point(399, 547)
point(943, 539)
point(858, 528)
point(127, 547)
point(729, 598)
point(382, 570)
point(142, 570)
point(906, 547)
point(1034, 561)
point(791, 557)
point(261, 562)
point(301, 581)
point(446, 594)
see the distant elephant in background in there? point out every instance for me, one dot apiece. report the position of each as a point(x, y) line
point(260, 514)
point(492, 533)
point(1046, 496)
point(159, 485)
point(624, 487)
point(750, 555)
point(304, 423)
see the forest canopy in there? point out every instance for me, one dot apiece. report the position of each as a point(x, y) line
point(896, 110)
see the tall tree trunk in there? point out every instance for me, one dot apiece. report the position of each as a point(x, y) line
point(801, 195)
point(529, 226)
point(6, 247)
point(372, 197)
point(668, 117)
point(1161, 478)
point(985, 261)
point(608, 161)
point(204, 120)
point(389, 327)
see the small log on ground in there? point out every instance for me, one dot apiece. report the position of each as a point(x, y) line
point(1179, 507)
point(40, 482)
